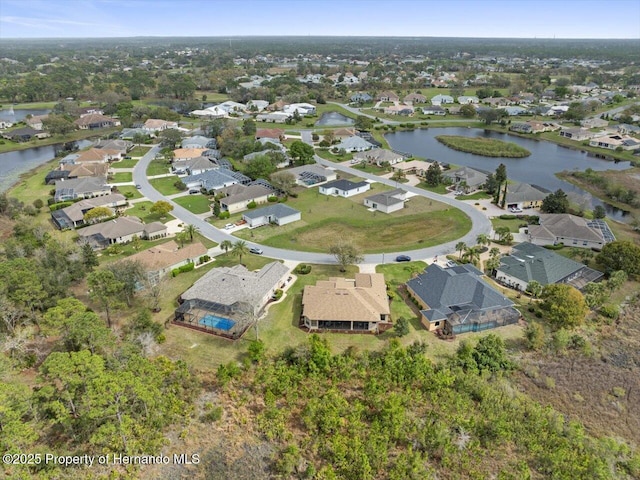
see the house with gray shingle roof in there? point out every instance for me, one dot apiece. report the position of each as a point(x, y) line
point(354, 144)
point(379, 156)
point(344, 188)
point(466, 179)
point(529, 262)
point(388, 201)
point(566, 229)
point(73, 215)
point(214, 179)
point(120, 230)
point(85, 187)
point(239, 200)
point(522, 195)
point(458, 300)
point(277, 213)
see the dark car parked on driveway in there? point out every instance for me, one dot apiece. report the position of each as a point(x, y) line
point(403, 258)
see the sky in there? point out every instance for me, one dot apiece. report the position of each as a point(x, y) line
point(413, 18)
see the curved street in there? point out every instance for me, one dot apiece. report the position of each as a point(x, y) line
point(480, 223)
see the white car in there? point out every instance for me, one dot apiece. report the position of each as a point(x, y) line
point(229, 226)
point(515, 210)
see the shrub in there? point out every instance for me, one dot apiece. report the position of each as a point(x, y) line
point(277, 294)
point(554, 247)
point(303, 269)
point(38, 203)
point(187, 268)
point(204, 259)
point(224, 215)
point(272, 199)
point(180, 185)
point(251, 205)
point(57, 206)
point(175, 272)
point(391, 294)
point(508, 217)
point(610, 310)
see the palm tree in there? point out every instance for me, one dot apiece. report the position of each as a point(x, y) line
point(483, 239)
point(190, 230)
point(239, 249)
point(472, 254)
point(226, 245)
point(398, 176)
point(460, 246)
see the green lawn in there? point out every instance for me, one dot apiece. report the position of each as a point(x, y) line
point(31, 185)
point(369, 168)
point(165, 185)
point(122, 177)
point(194, 203)
point(422, 223)
point(129, 191)
point(327, 155)
point(126, 163)
point(142, 211)
point(138, 151)
point(475, 196)
point(440, 189)
point(514, 224)
point(488, 147)
point(157, 167)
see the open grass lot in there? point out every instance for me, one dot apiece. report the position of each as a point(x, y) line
point(327, 155)
point(31, 184)
point(122, 177)
point(513, 224)
point(126, 163)
point(129, 191)
point(370, 168)
point(487, 147)
point(324, 218)
point(157, 167)
point(475, 196)
point(440, 189)
point(142, 211)
point(138, 151)
point(194, 203)
point(165, 185)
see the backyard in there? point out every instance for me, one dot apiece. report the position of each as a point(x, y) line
point(142, 210)
point(422, 223)
point(129, 191)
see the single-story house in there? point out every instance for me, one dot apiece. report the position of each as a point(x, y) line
point(468, 99)
point(302, 109)
point(312, 174)
point(130, 133)
point(86, 170)
point(256, 105)
point(360, 304)
point(232, 107)
point(612, 142)
point(277, 213)
point(569, 230)
point(388, 96)
point(121, 146)
point(361, 97)
point(354, 144)
point(215, 179)
point(414, 98)
point(416, 167)
point(98, 155)
point(154, 125)
point(594, 123)
point(344, 132)
point(577, 134)
point(533, 127)
point(440, 99)
point(434, 110)
point(193, 166)
point(73, 215)
point(388, 201)
point(159, 260)
point(187, 153)
point(24, 134)
point(458, 300)
point(54, 175)
point(404, 110)
point(235, 293)
point(95, 120)
point(379, 156)
point(238, 201)
point(273, 117)
point(120, 230)
point(514, 110)
point(36, 121)
point(522, 195)
point(529, 262)
point(625, 128)
point(270, 133)
point(85, 187)
point(198, 141)
point(211, 112)
point(344, 188)
point(466, 179)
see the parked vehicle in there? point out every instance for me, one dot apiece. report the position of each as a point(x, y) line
point(229, 226)
point(515, 210)
point(403, 258)
point(256, 250)
point(450, 264)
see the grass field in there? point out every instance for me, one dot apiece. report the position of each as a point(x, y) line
point(138, 151)
point(122, 177)
point(142, 211)
point(487, 147)
point(475, 196)
point(513, 224)
point(440, 189)
point(126, 163)
point(157, 167)
point(327, 155)
point(129, 191)
point(194, 203)
point(422, 223)
point(165, 185)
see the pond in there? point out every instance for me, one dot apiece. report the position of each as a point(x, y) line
point(7, 114)
point(334, 119)
point(13, 164)
point(538, 169)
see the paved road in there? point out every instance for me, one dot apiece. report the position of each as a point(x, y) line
point(480, 222)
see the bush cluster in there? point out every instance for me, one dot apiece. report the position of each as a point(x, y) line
point(303, 269)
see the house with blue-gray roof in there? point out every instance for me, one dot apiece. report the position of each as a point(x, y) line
point(457, 300)
point(278, 214)
point(215, 179)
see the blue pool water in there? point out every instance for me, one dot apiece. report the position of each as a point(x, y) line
point(220, 323)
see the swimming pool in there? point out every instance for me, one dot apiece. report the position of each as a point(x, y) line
point(213, 321)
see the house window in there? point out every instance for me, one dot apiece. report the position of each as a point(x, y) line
point(437, 323)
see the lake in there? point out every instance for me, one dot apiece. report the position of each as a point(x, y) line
point(20, 114)
point(13, 164)
point(538, 169)
point(335, 119)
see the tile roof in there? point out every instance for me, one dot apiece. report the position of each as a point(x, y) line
point(565, 225)
point(120, 227)
point(167, 254)
point(362, 299)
